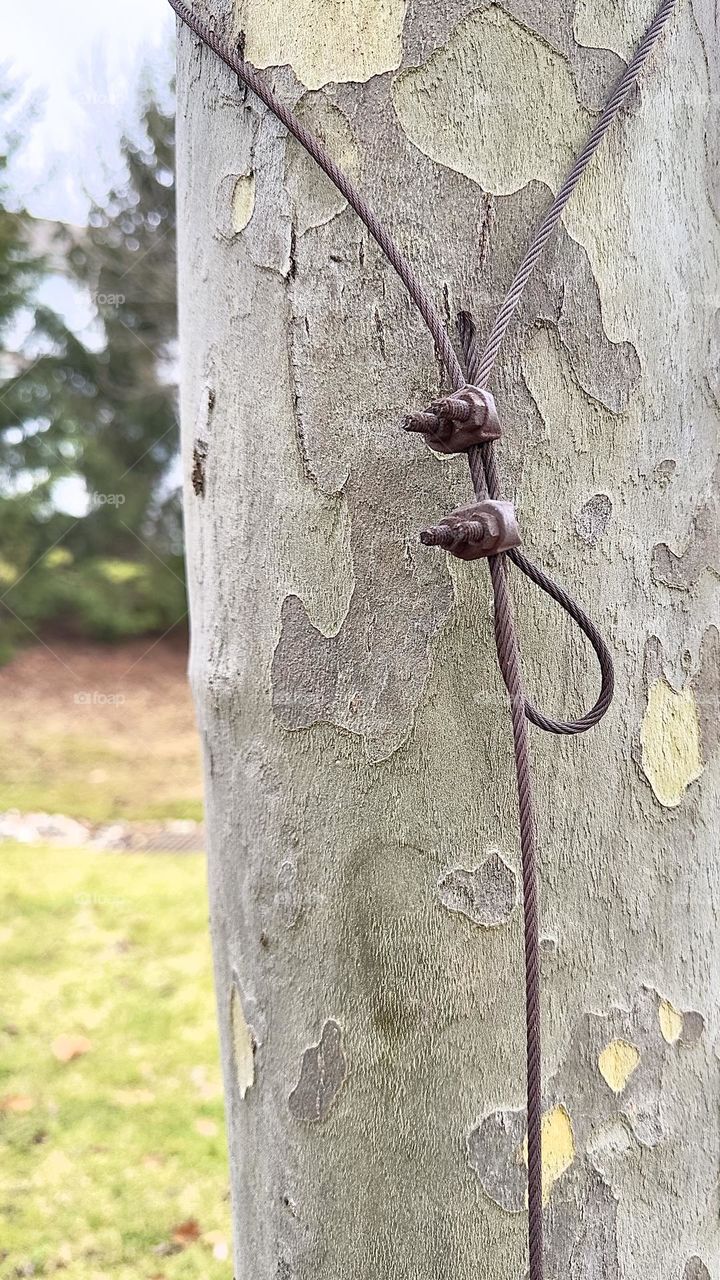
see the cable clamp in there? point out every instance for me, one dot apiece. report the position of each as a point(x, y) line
point(481, 529)
point(458, 421)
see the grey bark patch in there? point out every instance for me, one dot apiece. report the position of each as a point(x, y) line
point(494, 1153)
point(585, 1246)
point(288, 894)
point(487, 894)
point(324, 1068)
point(367, 679)
point(664, 472)
point(593, 518)
point(653, 662)
point(682, 571)
point(695, 1269)
point(692, 1028)
point(706, 687)
point(570, 298)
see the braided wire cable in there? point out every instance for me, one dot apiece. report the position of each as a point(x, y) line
point(508, 649)
point(322, 157)
point(482, 363)
point(484, 472)
point(485, 476)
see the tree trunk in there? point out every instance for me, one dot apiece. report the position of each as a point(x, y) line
point(363, 846)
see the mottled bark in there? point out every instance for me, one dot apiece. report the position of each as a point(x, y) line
point(363, 842)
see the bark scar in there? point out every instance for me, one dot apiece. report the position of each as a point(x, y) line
point(323, 1071)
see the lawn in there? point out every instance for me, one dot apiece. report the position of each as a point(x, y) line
point(112, 1159)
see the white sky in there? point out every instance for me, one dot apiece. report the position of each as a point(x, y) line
point(82, 62)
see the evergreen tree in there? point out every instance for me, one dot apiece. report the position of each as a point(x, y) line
point(107, 418)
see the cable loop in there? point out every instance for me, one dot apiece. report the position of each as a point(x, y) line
point(588, 628)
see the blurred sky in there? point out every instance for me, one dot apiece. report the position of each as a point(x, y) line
point(82, 63)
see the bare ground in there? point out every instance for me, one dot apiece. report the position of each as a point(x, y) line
point(101, 733)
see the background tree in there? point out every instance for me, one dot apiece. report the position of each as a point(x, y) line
point(363, 841)
point(17, 270)
point(102, 414)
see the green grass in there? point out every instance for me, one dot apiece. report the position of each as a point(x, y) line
point(103, 1156)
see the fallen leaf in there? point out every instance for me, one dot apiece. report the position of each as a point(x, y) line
point(16, 1102)
point(186, 1232)
point(65, 1048)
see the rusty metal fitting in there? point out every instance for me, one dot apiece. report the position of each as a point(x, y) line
point(458, 421)
point(481, 529)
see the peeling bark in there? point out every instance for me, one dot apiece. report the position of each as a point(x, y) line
point(324, 1067)
point(368, 957)
point(486, 894)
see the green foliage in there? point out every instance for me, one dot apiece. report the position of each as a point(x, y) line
point(114, 1159)
point(18, 270)
point(110, 599)
point(105, 419)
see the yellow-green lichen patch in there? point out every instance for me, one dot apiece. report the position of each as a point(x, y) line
point(242, 1043)
point(324, 41)
point(617, 1062)
point(671, 1022)
point(243, 201)
point(314, 196)
point(670, 742)
point(459, 108)
point(558, 1148)
point(601, 26)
